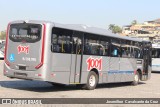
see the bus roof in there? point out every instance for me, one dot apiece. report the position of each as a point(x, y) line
point(80, 27)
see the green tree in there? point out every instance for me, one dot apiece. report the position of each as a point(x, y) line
point(3, 35)
point(134, 22)
point(114, 28)
point(111, 27)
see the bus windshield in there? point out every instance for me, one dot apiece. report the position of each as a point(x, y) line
point(25, 32)
point(155, 53)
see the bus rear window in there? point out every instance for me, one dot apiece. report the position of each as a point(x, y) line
point(25, 32)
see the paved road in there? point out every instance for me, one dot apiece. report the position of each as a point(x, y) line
point(16, 88)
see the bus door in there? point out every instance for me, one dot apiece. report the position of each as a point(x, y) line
point(76, 58)
point(146, 59)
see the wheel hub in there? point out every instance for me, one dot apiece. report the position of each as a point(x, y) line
point(136, 78)
point(92, 80)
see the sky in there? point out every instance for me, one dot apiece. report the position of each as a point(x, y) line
point(97, 13)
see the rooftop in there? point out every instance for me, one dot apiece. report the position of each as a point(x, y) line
point(157, 20)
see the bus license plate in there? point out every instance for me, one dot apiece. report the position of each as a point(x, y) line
point(22, 67)
point(20, 74)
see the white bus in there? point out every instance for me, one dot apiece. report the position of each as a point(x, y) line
point(156, 57)
point(74, 54)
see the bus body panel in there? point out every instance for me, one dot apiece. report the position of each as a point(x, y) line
point(105, 73)
point(88, 66)
point(66, 68)
point(60, 68)
point(113, 74)
point(30, 60)
point(127, 68)
point(156, 64)
point(156, 57)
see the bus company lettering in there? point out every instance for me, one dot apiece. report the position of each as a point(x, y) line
point(23, 49)
point(94, 63)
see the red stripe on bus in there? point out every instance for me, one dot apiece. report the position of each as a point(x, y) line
point(43, 43)
point(6, 45)
point(135, 72)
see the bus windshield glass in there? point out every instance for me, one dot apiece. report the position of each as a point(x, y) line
point(25, 32)
point(155, 53)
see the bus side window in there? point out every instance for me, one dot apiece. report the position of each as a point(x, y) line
point(61, 40)
point(137, 50)
point(54, 45)
point(96, 45)
point(91, 44)
point(87, 49)
point(77, 44)
point(126, 48)
point(104, 46)
point(115, 48)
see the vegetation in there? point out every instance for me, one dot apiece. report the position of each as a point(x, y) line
point(3, 35)
point(114, 28)
point(134, 22)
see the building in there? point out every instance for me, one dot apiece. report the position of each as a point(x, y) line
point(126, 30)
point(149, 30)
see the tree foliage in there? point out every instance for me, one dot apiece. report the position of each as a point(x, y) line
point(114, 28)
point(3, 35)
point(134, 22)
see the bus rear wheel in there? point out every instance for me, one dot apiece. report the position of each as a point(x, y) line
point(92, 81)
point(136, 79)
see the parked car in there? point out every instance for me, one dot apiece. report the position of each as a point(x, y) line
point(2, 48)
point(2, 41)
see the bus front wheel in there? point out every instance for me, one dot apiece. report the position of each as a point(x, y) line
point(92, 81)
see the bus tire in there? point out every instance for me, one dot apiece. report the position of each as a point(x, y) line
point(136, 79)
point(92, 81)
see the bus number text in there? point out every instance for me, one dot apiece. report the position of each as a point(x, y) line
point(23, 49)
point(94, 63)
